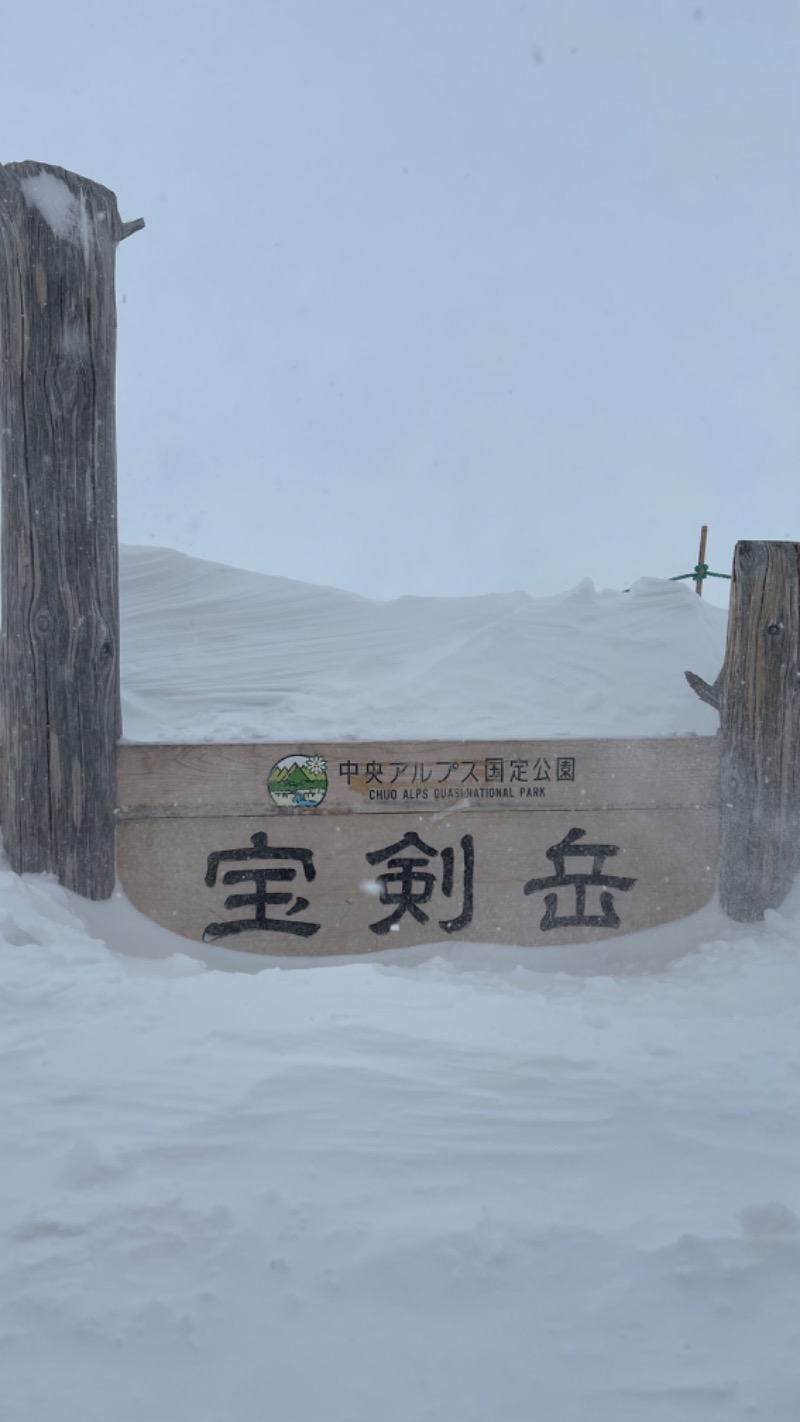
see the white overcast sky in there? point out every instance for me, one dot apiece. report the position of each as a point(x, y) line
point(442, 296)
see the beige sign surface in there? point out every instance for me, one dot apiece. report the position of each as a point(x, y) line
point(355, 848)
point(430, 776)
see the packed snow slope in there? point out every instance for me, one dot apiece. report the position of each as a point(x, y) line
point(442, 1186)
point(214, 653)
point(390, 1193)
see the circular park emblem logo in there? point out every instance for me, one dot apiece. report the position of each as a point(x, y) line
point(298, 782)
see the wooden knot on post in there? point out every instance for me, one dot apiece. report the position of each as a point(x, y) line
point(60, 646)
point(757, 694)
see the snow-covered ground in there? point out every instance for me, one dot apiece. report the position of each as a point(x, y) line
point(440, 1186)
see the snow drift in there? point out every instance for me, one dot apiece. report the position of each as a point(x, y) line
point(460, 1191)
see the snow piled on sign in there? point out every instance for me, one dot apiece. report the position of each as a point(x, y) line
point(436, 1187)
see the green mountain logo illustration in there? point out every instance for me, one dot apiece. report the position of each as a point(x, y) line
point(288, 780)
point(292, 777)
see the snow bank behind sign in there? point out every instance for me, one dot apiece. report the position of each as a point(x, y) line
point(214, 653)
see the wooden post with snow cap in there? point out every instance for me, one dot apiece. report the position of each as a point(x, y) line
point(60, 634)
point(757, 694)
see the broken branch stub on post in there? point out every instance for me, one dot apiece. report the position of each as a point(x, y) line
point(60, 645)
point(757, 694)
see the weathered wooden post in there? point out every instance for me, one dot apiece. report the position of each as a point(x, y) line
point(757, 694)
point(60, 636)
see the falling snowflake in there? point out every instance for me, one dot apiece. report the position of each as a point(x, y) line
point(316, 765)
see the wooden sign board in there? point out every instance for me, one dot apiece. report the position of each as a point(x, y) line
point(353, 848)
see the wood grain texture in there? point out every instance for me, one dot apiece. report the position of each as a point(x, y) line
point(164, 781)
point(174, 871)
point(758, 697)
point(60, 645)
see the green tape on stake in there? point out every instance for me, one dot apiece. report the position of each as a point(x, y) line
point(701, 571)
